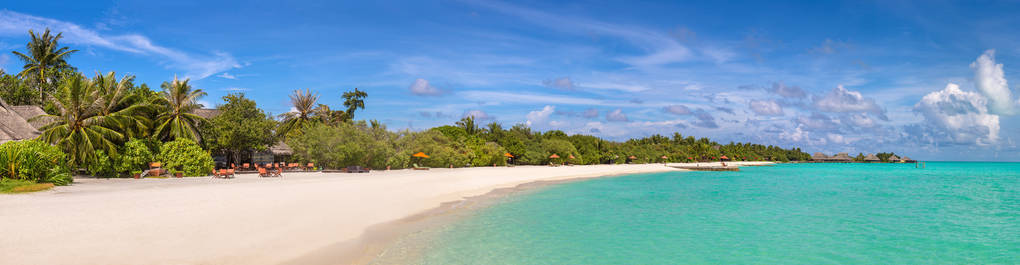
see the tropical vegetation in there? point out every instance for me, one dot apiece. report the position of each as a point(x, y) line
point(108, 126)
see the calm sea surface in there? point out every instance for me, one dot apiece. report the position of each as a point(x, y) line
point(947, 213)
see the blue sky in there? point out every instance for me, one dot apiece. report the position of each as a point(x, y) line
point(927, 79)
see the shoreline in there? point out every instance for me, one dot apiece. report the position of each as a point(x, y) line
point(246, 220)
point(372, 244)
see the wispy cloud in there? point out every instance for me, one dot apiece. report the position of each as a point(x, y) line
point(194, 66)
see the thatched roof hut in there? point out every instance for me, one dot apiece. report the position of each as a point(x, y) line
point(13, 126)
point(207, 113)
point(819, 157)
point(281, 149)
point(871, 158)
point(842, 157)
point(907, 160)
point(894, 158)
point(30, 112)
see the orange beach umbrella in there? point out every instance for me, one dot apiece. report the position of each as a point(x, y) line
point(508, 155)
point(664, 157)
point(723, 157)
point(570, 156)
point(554, 156)
point(632, 157)
point(420, 154)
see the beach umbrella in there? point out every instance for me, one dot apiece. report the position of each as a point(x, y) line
point(632, 157)
point(723, 157)
point(570, 156)
point(664, 157)
point(421, 155)
point(554, 156)
point(508, 155)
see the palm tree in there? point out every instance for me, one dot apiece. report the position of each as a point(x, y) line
point(353, 100)
point(45, 56)
point(122, 108)
point(176, 105)
point(80, 127)
point(304, 102)
point(468, 124)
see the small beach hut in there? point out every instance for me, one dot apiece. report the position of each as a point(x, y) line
point(871, 158)
point(906, 160)
point(819, 157)
point(841, 157)
point(894, 159)
point(724, 158)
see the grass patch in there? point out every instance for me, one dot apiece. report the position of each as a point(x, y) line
point(22, 186)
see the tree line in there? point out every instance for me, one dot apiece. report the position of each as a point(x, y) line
point(108, 125)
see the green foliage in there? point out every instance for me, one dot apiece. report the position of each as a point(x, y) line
point(341, 146)
point(33, 161)
point(176, 105)
point(134, 157)
point(184, 155)
point(240, 126)
point(80, 126)
point(101, 165)
point(44, 60)
point(15, 91)
point(442, 150)
point(884, 156)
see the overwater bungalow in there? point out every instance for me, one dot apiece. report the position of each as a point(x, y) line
point(819, 157)
point(841, 158)
point(894, 159)
point(871, 158)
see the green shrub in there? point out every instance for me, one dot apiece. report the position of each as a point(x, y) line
point(134, 157)
point(33, 161)
point(186, 156)
point(101, 165)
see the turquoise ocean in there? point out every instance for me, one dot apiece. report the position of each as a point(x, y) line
point(946, 213)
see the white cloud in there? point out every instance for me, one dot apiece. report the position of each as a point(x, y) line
point(991, 82)
point(478, 114)
point(766, 107)
point(590, 113)
point(962, 115)
point(840, 99)
point(194, 66)
point(677, 109)
point(422, 87)
point(616, 115)
point(615, 86)
point(227, 76)
point(861, 120)
point(836, 138)
point(539, 117)
point(561, 83)
point(787, 91)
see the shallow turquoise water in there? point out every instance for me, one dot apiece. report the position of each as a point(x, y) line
point(948, 213)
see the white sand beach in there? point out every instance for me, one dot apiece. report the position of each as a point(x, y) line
point(246, 220)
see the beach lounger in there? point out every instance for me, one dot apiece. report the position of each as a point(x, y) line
point(310, 166)
point(278, 172)
point(416, 167)
point(263, 172)
point(246, 166)
point(215, 174)
point(230, 173)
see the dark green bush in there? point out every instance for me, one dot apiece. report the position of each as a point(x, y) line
point(134, 157)
point(34, 161)
point(101, 165)
point(186, 156)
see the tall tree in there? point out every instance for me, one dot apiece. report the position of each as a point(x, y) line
point(241, 126)
point(353, 100)
point(304, 107)
point(175, 106)
point(468, 124)
point(45, 57)
point(123, 109)
point(80, 128)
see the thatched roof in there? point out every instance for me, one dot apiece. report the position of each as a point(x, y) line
point(871, 157)
point(13, 126)
point(281, 148)
point(31, 111)
point(819, 156)
point(842, 157)
point(894, 158)
point(207, 113)
point(906, 159)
